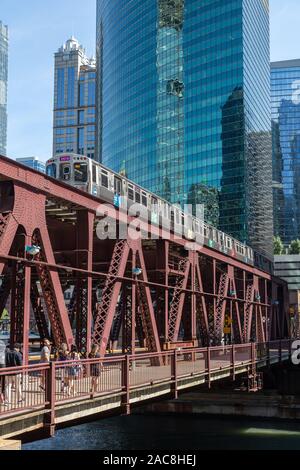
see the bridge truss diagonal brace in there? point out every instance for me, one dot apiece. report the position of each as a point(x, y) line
point(149, 324)
point(107, 307)
point(84, 287)
point(219, 317)
point(203, 311)
point(28, 211)
point(53, 293)
point(236, 320)
point(252, 306)
point(8, 229)
point(178, 300)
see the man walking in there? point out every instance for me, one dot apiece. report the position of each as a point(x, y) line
point(14, 359)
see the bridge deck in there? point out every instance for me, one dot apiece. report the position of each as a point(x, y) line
point(118, 382)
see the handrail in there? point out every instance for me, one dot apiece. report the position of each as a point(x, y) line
point(43, 385)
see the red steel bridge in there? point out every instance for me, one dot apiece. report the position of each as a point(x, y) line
point(180, 298)
point(174, 310)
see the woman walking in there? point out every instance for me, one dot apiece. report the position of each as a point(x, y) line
point(95, 368)
point(62, 356)
point(73, 370)
point(45, 359)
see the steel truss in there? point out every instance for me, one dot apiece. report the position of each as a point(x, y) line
point(153, 293)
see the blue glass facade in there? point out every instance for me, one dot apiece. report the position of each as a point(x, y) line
point(3, 87)
point(184, 105)
point(285, 84)
point(33, 163)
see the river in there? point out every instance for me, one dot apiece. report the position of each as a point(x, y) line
point(138, 432)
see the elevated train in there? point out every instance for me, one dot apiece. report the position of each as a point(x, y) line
point(94, 178)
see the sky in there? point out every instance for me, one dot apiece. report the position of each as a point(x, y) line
point(38, 28)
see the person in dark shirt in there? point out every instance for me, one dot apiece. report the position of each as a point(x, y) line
point(13, 358)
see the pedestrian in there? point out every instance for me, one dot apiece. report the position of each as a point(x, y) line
point(62, 356)
point(45, 359)
point(73, 370)
point(2, 366)
point(14, 359)
point(95, 368)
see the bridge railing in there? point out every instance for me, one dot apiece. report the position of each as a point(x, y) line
point(23, 388)
point(50, 385)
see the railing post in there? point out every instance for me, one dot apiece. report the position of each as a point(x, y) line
point(253, 357)
point(233, 361)
point(50, 399)
point(174, 387)
point(268, 358)
point(280, 352)
point(126, 385)
point(208, 367)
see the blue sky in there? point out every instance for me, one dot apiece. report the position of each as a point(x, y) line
point(38, 28)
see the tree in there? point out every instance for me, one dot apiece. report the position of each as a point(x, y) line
point(278, 246)
point(295, 247)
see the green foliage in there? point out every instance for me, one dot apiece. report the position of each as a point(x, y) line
point(295, 247)
point(278, 246)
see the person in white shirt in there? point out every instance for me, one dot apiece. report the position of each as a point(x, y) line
point(45, 359)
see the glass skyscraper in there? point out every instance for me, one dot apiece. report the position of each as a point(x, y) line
point(285, 84)
point(74, 101)
point(3, 87)
point(33, 163)
point(184, 105)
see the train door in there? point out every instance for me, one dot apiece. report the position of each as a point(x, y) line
point(65, 172)
point(154, 211)
point(118, 186)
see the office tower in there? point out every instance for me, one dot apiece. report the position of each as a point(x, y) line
point(184, 103)
point(285, 87)
point(74, 101)
point(3, 86)
point(34, 163)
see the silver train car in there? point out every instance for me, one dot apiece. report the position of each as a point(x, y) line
point(87, 175)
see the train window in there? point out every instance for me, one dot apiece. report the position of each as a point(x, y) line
point(172, 218)
point(144, 199)
point(104, 179)
point(137, 196)
point(118, 185)
point(228, 242)
point(205, 231)
point(51, 170)
point(65, 172)
point(165, 210)
point(94, 174)
point(130, 192)
point(80, 172)
point(154, 204)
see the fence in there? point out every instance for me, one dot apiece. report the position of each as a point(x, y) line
point(49, 385)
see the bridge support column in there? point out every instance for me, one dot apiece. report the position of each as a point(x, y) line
point(49, 419)
point(126, 386)
point(84, 259)
point(174, 387)
point(26, 308)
